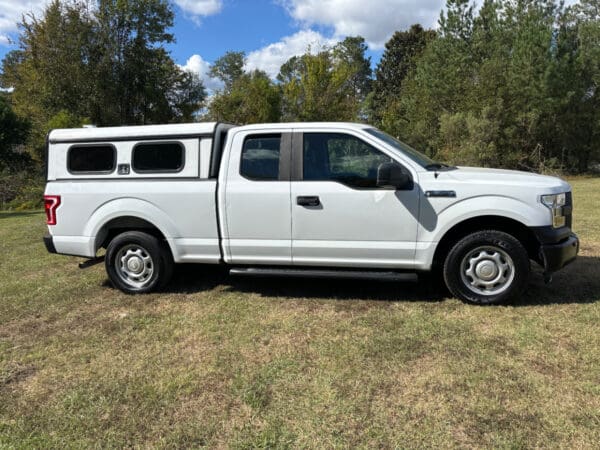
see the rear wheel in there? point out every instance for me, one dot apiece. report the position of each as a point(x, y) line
point(487, 267)
point(138, 262)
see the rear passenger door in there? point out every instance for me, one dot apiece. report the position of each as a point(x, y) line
point(257, 199)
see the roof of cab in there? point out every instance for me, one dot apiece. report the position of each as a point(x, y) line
point(131, 132)
point(306, 125)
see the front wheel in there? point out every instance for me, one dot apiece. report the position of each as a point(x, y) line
point(138, 262)
point(487, 267)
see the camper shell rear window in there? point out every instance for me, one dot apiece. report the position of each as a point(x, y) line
point(91, 159)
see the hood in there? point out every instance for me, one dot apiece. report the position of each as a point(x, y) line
point(480, 175)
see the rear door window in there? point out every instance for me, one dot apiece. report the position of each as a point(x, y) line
point(260, 158)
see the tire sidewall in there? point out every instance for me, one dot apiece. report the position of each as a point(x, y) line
point(505, 242)
point(151, 245)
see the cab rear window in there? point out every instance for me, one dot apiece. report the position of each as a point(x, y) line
point(91, 159)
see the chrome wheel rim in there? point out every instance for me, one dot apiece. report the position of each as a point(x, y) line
point(487, 270)
point(134, 265)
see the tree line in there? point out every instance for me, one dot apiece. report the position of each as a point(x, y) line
point(512, 84)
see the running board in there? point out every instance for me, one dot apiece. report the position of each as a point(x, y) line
point(91, 262)
point(324, 273)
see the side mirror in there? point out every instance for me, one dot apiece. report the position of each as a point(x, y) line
point(392, 175)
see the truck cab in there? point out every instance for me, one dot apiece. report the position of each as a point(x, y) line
point(308, 199)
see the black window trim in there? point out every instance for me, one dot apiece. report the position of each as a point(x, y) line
point(92, 172)
point(298, 159)
point(285, 154)
point(178, 170)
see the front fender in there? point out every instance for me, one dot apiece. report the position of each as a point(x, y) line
point(436, 219)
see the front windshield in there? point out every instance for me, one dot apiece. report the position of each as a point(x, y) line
point(415, 155)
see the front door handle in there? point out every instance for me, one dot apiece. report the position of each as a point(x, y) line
point(308, 200)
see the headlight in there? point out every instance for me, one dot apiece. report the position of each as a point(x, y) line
point(554, 200)
point(555, 203)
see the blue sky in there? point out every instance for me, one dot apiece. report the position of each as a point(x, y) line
point(269, 31)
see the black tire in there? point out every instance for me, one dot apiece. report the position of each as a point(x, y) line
point(487, 267)
point(151, 263)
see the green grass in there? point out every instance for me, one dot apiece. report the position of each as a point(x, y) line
point(268, 363)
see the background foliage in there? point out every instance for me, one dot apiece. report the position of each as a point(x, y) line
point(512, 84)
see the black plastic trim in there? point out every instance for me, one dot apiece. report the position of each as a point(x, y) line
point(285, 157)
point(556, 256)
point(551, 235)
point(218, 145)
point(448, 194)
point(297, 156)
point(324, 272)
point(49, 243)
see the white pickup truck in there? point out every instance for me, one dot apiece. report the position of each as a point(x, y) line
point(304, 199)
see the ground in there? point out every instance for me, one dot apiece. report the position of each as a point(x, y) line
point(244, 363)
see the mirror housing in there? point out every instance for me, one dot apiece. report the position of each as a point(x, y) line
point(393, 175)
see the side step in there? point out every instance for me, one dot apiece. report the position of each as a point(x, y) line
point(91, 262)
point(324, 273)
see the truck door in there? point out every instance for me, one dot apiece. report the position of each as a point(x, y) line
point(257, 228)
point(339, 216)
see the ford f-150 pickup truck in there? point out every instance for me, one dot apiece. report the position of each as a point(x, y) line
point(307, 199)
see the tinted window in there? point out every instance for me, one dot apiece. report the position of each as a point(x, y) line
point(91, 159)
point(260, 157)
point(342, 158)
point(158, 157)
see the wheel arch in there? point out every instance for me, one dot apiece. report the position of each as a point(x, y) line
point(517, 229)
point(115, 226)
point(129, 214)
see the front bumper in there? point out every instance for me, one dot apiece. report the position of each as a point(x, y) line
point(557, 255)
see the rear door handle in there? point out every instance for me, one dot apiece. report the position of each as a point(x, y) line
point(308, 200)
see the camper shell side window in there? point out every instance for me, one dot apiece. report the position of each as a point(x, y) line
point(158, 157)
point(96, 159)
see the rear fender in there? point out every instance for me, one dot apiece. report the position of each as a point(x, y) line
point(132, 207)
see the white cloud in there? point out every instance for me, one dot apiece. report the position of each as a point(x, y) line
point(11, 12)
point(200, 8)
point(375, 20)
point(271, 57)
point(197, 64)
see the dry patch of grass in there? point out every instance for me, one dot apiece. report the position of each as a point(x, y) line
point(242, 363)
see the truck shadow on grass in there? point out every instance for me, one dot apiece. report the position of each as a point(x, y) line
point(187, 280)
point(576, 283)
point(579, 282)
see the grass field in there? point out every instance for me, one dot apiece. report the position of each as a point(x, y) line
point(267, 363)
